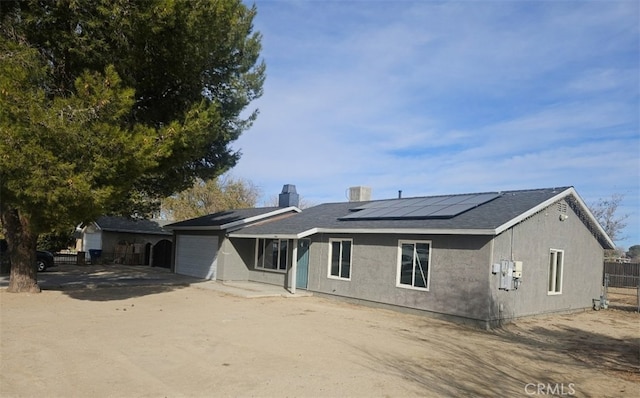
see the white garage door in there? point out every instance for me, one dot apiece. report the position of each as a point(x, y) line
point(197, 256)
point(92, 241)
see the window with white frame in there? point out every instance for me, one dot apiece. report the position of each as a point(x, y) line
point(413, 264)
point(340, 258)
point(556, 267)
point(272, 254)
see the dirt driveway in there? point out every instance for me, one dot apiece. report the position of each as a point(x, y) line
point(185, 341)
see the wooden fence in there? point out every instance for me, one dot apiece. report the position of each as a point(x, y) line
point(622, 274)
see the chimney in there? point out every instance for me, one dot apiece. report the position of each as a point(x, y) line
point(359, 194)
point(289, 196)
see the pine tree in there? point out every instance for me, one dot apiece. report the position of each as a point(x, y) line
point(108, 106)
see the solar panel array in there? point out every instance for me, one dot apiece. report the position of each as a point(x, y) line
point(418, 208)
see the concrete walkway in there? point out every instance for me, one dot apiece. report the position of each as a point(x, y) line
point(250, 289)
point(69, 277)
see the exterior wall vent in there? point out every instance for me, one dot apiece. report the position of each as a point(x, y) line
point(359, 194)
point(562, 207)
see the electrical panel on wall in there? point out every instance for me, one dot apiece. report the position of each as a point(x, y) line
point(510, 274)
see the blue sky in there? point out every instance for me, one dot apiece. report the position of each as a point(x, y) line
point(443, 97)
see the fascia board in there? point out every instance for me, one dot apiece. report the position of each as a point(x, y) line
point(545, 204)
point(262, 236)
point(299, 235)
point(250, 220)
point(593, 218)
point(533, 211)
point(394, 231)
point(94, 224)
point(416, 231)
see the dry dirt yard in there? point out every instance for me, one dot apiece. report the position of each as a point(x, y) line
point(191, 342)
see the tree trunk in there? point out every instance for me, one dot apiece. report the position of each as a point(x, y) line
point(22, 252)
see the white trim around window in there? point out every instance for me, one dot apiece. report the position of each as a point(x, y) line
point(556, 271)
point(340, 259)
point(414, 264)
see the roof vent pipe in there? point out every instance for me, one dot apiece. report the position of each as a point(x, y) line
point(400, 194)
point(288, 197)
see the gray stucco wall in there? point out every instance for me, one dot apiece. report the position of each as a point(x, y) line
point(239, 264)
point(458, 277)
point(270, 277)
point(233, 256)
point(235, 261)
point(531, 242)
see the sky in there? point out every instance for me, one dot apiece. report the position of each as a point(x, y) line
point(447, 97)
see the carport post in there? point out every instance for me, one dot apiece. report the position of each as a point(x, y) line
point(294, 267)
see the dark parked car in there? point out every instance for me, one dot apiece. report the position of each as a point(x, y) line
point(44, 259)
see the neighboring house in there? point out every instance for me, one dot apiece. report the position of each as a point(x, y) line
point(127, 241)
point(482, 259)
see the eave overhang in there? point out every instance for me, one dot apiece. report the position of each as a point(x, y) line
point(393, 231)
point(237, 224)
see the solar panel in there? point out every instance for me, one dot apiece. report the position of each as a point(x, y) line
point(481, 198)
point(407, 202)
point(379, 211)
point(427, 211)
point(452, 210)
point(416, 208)
point(405, 211)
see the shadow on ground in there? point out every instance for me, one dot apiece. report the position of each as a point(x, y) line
point(103, 282)
point(457, 368)
point(118, 293)
point(624, 299)
point(594, 350)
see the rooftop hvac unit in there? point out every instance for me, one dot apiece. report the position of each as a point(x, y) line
point(359, 194)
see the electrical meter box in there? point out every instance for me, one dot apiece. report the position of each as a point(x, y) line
point(510, 274)
point(517, 269)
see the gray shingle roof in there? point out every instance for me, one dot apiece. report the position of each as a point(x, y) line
point(493, 217)
point(122, 224)
point(223, 218)
point(489, 218)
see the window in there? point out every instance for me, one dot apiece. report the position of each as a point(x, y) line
point(272, 254)
point(556, 265)
point(413, 264)
point(340, 258)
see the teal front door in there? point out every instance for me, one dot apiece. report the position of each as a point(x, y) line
point(302, 274)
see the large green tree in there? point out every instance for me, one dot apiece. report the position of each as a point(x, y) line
point(108, 106)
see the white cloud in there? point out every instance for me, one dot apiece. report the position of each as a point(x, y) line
point(445, 97)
